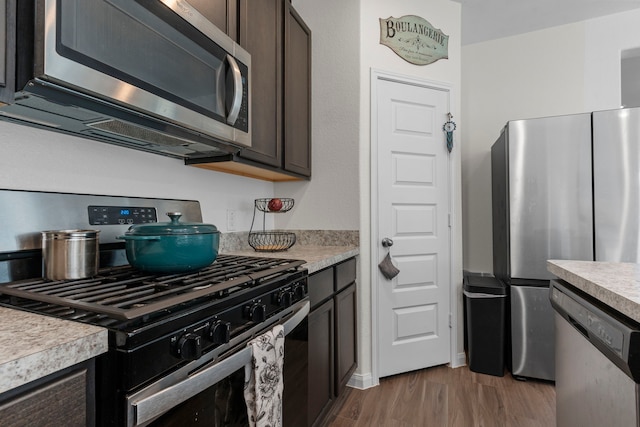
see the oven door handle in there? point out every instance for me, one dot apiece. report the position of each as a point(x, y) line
point(146, 408)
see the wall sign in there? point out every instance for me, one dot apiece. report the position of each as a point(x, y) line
point(414, 39)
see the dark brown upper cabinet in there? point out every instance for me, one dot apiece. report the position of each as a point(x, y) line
point(7, 50)
point(280, 46)
point(297, 94)
point(222, 13)
point(261, 35)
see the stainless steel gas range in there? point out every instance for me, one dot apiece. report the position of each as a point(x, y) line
point(177, 342)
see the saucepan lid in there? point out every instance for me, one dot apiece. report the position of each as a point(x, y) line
point(70, 234)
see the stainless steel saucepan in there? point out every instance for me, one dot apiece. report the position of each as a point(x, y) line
point(70, 254)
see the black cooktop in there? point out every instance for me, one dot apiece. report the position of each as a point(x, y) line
point(123, 293)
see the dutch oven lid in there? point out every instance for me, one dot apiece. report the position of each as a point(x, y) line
point(175, 227)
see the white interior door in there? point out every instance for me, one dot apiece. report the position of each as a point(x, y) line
point(413, 211)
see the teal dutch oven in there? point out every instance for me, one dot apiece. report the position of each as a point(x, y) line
point(171, 247)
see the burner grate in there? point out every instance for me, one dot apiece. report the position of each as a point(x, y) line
point(125, 293)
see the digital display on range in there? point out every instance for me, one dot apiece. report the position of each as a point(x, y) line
point(121, 215)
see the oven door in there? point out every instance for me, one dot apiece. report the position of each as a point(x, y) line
point(212, 394)
point(161, 57)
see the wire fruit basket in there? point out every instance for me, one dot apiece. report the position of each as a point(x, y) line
point(279, 205)
point(271, 241)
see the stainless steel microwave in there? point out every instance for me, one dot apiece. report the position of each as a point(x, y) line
point(154, 75)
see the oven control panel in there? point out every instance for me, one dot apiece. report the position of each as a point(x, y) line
point(193, 341)
point(121, 215)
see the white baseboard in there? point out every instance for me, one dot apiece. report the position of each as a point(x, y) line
point(361, 381)
point(459, 360)
point(364, 381)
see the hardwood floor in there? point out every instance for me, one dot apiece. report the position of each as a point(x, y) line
point(442, 396)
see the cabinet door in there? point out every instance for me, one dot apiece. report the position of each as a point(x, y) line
point(7, 50)
point(261, 36)
point(3, 42)
point(222, 13)
point(297, 93)
point(321, 286)
point(61, 402)
point(346, 356)
point(321, 367)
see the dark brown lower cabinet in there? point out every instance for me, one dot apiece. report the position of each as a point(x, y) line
point(321, 391)
point(345, 308)
point(332, 336)
point(65, 399)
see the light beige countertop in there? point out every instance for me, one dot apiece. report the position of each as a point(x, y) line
point(33, 346)
point(613, 283)
point(317, 257)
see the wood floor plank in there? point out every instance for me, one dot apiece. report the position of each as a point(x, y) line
point(442, 396)
point(491, 410)
point(435, 404)
point(463, 402)
point(377, 407)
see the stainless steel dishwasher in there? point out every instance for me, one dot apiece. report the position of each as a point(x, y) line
point(597, 361)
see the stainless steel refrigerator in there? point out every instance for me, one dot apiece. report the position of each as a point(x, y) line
point(565, 187)
point(542, 209)
point(616, 185)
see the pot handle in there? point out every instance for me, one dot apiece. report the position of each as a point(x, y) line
point(138, 237)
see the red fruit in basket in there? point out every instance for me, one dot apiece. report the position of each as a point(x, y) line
point(275, 205)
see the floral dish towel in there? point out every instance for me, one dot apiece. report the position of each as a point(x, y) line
point(263, 379)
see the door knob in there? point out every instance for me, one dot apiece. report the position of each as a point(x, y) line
point(387, 242)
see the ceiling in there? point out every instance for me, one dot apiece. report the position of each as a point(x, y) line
point(484, 20)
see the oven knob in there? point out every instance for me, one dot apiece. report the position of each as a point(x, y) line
point(256, 312)
point(284, 298)
point(189, 347)
point(300, 290)
point(219, 332)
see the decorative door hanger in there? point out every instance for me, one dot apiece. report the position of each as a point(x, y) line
point(414, 39)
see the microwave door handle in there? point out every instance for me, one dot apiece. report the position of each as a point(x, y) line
point(237, 91)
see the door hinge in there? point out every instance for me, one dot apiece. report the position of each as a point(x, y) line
point(449, 215)
point(450, 321)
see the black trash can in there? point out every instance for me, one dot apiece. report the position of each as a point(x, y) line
point(486, 306)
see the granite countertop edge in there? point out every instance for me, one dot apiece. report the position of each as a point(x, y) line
point(316, 257)
point(33, 346)
point(615, 284)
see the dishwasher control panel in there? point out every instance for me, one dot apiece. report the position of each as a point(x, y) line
point(589, 320)
point(616, 336)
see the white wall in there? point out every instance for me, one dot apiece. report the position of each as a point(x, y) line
point(39, 160)
point(605, 39)
point(33, 159)
point(563, 70)
point(630, 84)
point(329, 200)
